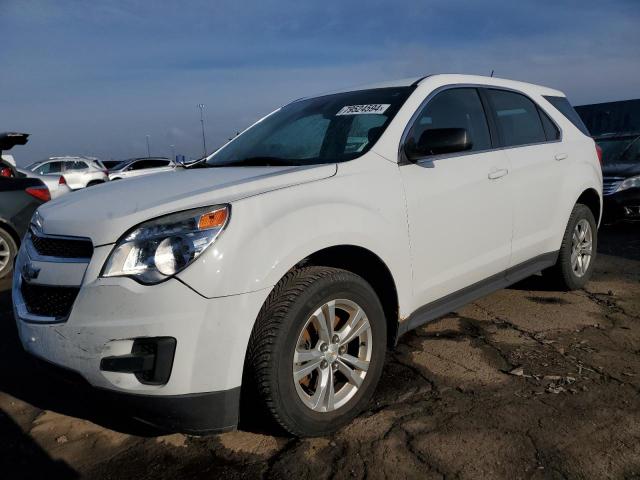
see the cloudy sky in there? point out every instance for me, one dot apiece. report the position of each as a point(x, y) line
point(97, 77)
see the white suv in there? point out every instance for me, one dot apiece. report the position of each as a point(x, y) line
point(78, 172)
point(282, 269)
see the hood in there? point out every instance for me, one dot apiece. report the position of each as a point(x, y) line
point(621, 169)
point(104, 212)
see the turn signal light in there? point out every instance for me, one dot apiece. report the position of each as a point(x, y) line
point(599, 152)
point(62, 181)
point(214, 219)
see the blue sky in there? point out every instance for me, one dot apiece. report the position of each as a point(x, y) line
point(94, 78)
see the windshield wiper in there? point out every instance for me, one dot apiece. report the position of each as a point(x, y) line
point(260, 161)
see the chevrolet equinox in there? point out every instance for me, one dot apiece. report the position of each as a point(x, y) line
point(282, 266)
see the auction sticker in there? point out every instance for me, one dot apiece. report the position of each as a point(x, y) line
point(375, 108)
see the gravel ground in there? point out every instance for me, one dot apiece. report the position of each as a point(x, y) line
point(525, 383)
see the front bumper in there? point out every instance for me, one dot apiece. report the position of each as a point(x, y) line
point(622, 206)
point(108, 315)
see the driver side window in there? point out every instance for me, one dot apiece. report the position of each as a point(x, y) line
point(454, 108)
point(50, 168)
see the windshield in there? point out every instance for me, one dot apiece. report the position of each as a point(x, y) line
point(328, 129)
point(121, 165)
point(620, 150)
point(32, 166)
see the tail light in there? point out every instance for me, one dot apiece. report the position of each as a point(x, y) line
point(41, 193)
point(599, 152)
point(6, 172)
point(62, 181)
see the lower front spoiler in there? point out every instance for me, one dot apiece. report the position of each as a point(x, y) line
point(195, 413)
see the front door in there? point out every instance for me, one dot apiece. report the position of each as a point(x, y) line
point(459, 210)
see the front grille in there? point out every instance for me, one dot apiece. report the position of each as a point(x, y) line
point(61, 247)
point(611, 184)
point(48, 301)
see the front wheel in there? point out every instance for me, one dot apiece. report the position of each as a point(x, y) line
point(574, 266)
point(317, 349)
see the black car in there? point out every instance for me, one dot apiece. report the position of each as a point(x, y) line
point(19, 199)
point(621, 176)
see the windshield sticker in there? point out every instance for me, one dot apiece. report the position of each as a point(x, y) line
point(373, 108)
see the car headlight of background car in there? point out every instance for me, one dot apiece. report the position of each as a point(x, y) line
point(158, 249)
point(631, 182)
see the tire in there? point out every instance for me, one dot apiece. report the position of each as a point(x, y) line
point(94, 182)
point(564, 273)
point(8, 251)
point(287, 317)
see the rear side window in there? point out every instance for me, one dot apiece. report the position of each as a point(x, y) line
point(77, 165)
point(550, 130)
point(455, 108)
point(517, 118)
point(564, 107)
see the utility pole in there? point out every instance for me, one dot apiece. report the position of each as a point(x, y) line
point(204, 140)
point(173, 152)
point(148, 147)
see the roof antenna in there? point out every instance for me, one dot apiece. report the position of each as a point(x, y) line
point(492, 73)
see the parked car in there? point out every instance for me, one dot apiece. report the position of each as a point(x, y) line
point(7, 141)
point(285, 265)
point(109, 164)
point(621, 170)
point(19, 198)
point(79, 172)
point(135, 167)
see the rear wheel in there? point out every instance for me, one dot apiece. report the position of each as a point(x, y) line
point(8, 250)
point(574, 266)
point(94, 182)
point(317, 349)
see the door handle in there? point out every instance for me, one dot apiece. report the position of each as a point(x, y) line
point(497, 173)
point(561, 156)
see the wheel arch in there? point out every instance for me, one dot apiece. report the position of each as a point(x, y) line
point(366, 264)
point(591, 199)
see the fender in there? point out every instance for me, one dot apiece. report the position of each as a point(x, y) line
point(266, 236)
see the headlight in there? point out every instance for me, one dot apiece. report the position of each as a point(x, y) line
point(632, 182)
point(158, 249)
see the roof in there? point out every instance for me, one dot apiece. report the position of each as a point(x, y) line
point(453, 78)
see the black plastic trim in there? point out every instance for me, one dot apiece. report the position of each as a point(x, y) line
point(194, 413)
point(451, 302)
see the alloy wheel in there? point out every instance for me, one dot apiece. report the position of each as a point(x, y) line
point(5, 253)
point(332, 356)
point(581, 247)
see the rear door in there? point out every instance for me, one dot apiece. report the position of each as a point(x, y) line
point(459, 210)
point(531, 140)
point(75, 173)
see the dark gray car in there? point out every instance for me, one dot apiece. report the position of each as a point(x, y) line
point(19, 199)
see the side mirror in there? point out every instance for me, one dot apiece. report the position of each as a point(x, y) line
point(437, 141)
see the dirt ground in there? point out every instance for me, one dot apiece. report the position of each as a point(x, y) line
point(525, 383)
